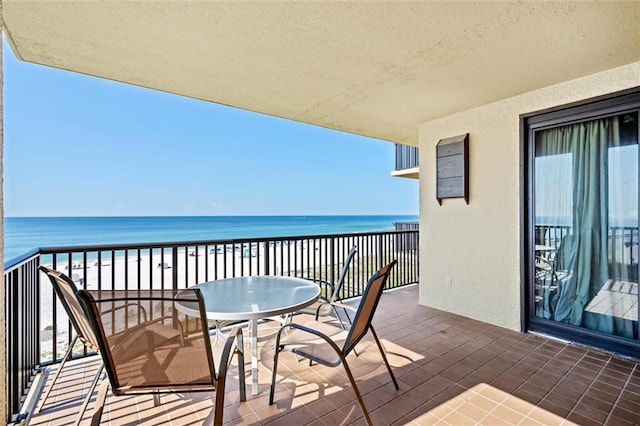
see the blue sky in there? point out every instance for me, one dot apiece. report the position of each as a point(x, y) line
point(82, 146)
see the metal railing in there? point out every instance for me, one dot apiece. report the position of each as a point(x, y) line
point(22, 345)
point(406, 157)
point(404, 241)
point(38, 330)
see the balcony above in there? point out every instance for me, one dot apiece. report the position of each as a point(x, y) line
point(406, 162)
point(412, 173)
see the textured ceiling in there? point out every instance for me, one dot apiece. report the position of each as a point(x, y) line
point(376, 69)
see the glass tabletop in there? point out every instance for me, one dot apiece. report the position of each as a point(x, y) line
point(244, 298)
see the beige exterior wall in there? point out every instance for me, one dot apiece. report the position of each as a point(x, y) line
point(469, 254)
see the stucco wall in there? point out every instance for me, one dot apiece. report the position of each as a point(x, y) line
point(469, 254)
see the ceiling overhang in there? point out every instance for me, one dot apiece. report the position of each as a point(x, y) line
point(370, 68)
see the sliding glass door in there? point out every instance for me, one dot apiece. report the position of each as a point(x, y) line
point(583, 224)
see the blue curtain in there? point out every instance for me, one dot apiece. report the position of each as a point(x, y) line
point(583, 255)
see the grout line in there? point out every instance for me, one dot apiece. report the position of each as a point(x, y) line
point(522, 385)
point(615, 403)
point(595, 379)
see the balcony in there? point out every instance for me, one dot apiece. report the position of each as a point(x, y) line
point(38, 330)
point(451, 370)
point(406, 162)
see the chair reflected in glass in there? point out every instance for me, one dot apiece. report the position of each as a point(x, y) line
point(157, 345)
point(329, 345)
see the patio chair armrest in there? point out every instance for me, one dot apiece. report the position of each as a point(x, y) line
point(344, 306)
point(330, 303)
point(310, 331)
point(124, 306)
point(235, 336)
point(321, 283)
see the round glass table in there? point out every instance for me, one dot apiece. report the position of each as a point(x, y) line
point(253, 298)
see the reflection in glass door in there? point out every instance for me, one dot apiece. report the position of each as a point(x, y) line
point(585, 187)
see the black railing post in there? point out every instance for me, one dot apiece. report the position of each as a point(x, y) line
point(267, 249)
point(174, 267)
point(332, 260)
point(379, 259)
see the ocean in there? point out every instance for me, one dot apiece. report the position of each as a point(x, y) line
point(22, 234)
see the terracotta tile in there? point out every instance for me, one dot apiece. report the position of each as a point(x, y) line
point(493, 394)
point(472, 411)
point(630, 398)
point(554, 407)
point(590, 412)
point(531, 392)
point(270, 413)
point(457, 418)
point(507, 414)
point(448, 367)
point(625, 414)
point(596, 403)
point(483, 403)
point(545, 417)
point(518, 405)
point(560, 400)
point(246, 420)
point(456, 372)
point(422, 420)
point(492, 420)
point(343, 416)
point(568, 389)
point(617, 421)
point(633, 388)
point(601, 395)
point(623, 366)
point(582, 420)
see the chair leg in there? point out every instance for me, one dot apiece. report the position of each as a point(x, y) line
point(65, 358)
point(221, 385)
point(384, 358)
point(357, 391)
point(88, 397)
point(241, 378)
point(156, 399)
point(276, 349)
point(219, 404)
point(102, 396)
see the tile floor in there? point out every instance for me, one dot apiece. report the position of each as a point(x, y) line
point(451, 370)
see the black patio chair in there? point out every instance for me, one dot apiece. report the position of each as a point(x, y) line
point(329, 345)
point(159, 344)
point(66, 291)
point(327, 303)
